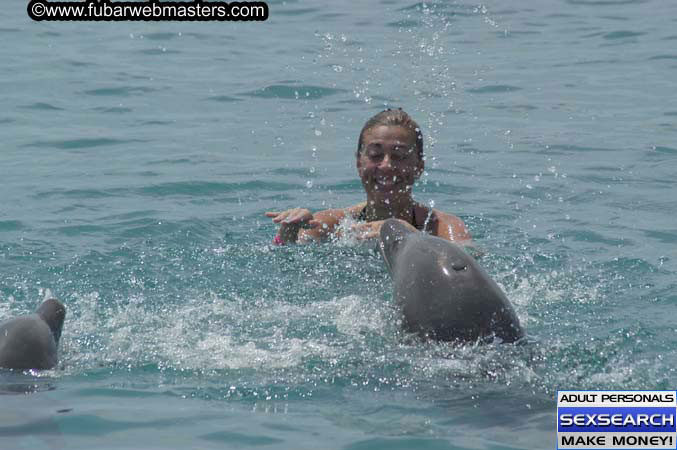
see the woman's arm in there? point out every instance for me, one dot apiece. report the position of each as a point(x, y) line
point(300, 225)
point(327, 221)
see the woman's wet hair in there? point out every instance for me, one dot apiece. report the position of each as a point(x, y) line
point(397, 118)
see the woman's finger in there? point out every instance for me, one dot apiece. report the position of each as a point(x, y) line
point(282, 216)
point(293, 218)
point(366, 235)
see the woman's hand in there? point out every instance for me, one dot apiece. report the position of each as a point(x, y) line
point(367, 230)
point(291, 221)
point(372, 230)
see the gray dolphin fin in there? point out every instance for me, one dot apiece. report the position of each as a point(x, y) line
point(53, 312)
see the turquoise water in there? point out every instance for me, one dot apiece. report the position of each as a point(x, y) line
point(137, 161)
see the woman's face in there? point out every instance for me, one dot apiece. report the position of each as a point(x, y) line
point(388, 163)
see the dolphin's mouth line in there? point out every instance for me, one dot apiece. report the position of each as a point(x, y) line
point(381, 247)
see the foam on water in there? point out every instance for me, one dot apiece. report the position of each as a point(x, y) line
point(281, 335)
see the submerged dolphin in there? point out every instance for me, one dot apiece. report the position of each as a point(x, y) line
point(443, 292)
point(30, 341)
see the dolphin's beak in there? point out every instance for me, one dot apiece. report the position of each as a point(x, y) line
point(392, 235)
point(53, 312)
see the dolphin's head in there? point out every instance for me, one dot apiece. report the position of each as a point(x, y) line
point(53, 313)
point(393, 234)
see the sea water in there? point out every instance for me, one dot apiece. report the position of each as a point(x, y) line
point(137, 160)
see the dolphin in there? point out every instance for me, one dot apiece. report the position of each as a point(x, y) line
point(31, 341)
point(443, 292)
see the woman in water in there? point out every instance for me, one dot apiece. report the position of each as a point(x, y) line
point(389, 161)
